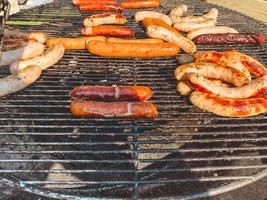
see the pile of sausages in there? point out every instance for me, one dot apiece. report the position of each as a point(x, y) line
point(223, 83)
point(82, 107)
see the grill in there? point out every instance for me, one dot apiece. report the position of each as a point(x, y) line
point(46, 150)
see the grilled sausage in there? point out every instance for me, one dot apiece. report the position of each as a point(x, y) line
point(108, 31)
point(73, 43)
point(37, 36)
point(12, 44)
point(113, 109)
point(101, 7)
point(141, 50)
point(213, 71)
point(141, 15)
point(229, 107)
point(86, 2)
point(255, 88)
point(24, 78)
point(139, 93)
point(177, 12)
point(146, 40)
point(158, 22)
point(189, 26)
point(212, 14)
point(30, 50)
point(162, 33)
point(210, 30)
point(47, 59)
point(140, 4)
point(106, 18)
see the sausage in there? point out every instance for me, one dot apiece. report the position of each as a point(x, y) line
point(24, 78)
point(82, 108)
point(213, 71)
point(101, 7)
point(141, 50)
point(162, 33)
point(139, 93)
point(47, 59)
point(146, 40)
point(140, 4)
point(30, 50)
point(210, 30)
point(177, 12)
point(189, 26)
point(158, 22)
point(212, 14)
point(73, 43)
point(255, 88)
point(37, 36)
point(229, 107)
point(222, 59)
point(230, 38)
point(106, 18)
point(108, 31)
point(11, 44)
point(141, 15)
point(86, 2)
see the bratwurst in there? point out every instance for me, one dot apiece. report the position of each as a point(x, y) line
point(105, 18)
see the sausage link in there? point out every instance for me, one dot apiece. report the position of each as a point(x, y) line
point(106, 18)
point(177, 12)
point(141, 15)
point(101, 7)
point(108, 31)
point(86, 2)
point(146, 40)
point(212, 14)
point(189, 26)
point(158, 22)
point(140, 4)
point(37, 36)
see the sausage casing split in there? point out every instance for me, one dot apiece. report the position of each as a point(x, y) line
point(212, 14)
point(108, 31)
point(177, 12)
point(145, 50)
point(140, 4)
point(213, 71)
point(105, 18)
point(37, 36)
point(86, 2)
point(82, 108)
point(139, 93)
point(189, 26)
point(47, 59)
point(146, 40)
point(141, 15)
point(101, 7)
point(229, 107)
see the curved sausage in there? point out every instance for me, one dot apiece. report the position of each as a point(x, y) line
point(210, 30)
point(37, 36)
point(113, 109)
point(30, 50)
point(139, 93)
point(162, 33)
point(228, 107)
point(146, 40)
point(73, 43)
point(24, 78)
point(212, 14)
point(108, 31)
point(101, 7)
point(145, 50)
point(177, 12)
point(140, 4)
point(105, 18)
point(189, 26)
point(141, 15)
point(86, 2)
point(213, 71)
point(47, 59)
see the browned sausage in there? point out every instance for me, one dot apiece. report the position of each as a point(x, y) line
point(108, 31)
point(140, 4)
point(101, 7)
point(86, 2)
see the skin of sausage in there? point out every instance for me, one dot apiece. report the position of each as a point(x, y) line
point(213, 71)
point(24, 78)
point(145, 50)
point(30, 50)
point(146, 40)
point(212, 14)
point(139, 93)
point(105, 18)
point(210, 30)
point(140, 4)
point(177, 12)
point(229, 107)
point(37, 36)
point(86, 2)
point(162, 33)
point(12, 44)
point(108, 31)
point(189, 26)
point(141, 15)
point(73, 43)
point(47, 59)
point(82, 108)
point(101, 7)
point(257, 87)
point(158, 22)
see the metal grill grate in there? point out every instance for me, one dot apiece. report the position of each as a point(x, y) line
point(45, 150)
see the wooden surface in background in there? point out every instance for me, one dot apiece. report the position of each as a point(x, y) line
point(253, 8)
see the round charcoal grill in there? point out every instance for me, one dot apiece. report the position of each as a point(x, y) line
point(46, 150)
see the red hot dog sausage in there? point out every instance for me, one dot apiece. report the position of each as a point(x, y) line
point(86, 2)
point(113, 109)
point(108, 31)
point(140, 4)
point(139, 93)
point(101, 7)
